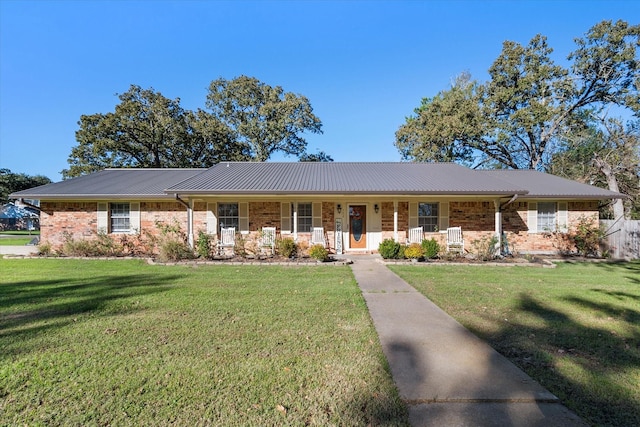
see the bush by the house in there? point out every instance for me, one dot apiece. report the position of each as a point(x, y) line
point(413, 251)
point(319, 252)
point(485, 248)
point(287, 247)
point(203, 244)
point(430, 248)
point(174, 250)
point(389, 249)
point(587, 237)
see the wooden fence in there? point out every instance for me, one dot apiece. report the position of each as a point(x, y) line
point(622, 238)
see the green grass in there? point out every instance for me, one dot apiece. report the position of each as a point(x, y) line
point(21, 233)
point(10, 241)
point(126, 343)
point(575, 329)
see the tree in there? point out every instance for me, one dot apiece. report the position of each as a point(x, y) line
point(11, 182)
point(148, 130)
point(518, 117)
point(606, 154)
point(263, 117)
point(320, 156)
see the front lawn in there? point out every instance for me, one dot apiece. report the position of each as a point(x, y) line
point(575, 328)
point(89, 342)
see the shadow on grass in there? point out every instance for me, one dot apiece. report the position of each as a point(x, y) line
point(30, 308)
point(599, 355)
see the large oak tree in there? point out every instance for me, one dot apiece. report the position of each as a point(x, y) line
point(517, 119)
point(148, 130)
point(265, 118)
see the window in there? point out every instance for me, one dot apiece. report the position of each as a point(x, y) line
point(228, 215)
point(546, 216)
point(428, 217)
point(120, 217)
point(305, 216)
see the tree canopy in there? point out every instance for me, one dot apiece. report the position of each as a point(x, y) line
point(517, 119)
point(11, 182)
point(265, 118)
point(249, 120)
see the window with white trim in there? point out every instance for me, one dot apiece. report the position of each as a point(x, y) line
point(119, 217)
point(428, 217)
point(546, 217)
point(228, 215)
point(304, 216)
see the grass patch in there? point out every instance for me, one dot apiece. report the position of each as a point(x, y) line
point(11, 241)
point(32, 233)
point(575, 329)
point(121, 342)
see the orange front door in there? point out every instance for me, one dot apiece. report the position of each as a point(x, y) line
point(358, 227)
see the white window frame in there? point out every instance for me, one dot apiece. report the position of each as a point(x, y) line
point(442, 219)
point(108, 211)
point(304, 223)
point(225, 220)
point(559, 222)
point(429, 223)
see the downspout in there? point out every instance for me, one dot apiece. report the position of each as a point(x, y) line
point(189, 219)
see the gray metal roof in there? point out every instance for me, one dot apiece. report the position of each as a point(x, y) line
point(343, 178)
point(116, 183)
point(262, 178)
point(543, 185)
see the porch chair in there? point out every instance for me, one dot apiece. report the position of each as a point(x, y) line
point(317, 236)
point(268, 239)
point(226, 240)
point(415, 235)
point(455, 242)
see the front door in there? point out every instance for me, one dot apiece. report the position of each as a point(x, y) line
point(358, 227)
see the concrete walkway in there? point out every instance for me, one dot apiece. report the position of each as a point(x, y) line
point(18, 250)
point(447, 375)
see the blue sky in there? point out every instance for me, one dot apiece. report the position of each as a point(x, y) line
point(364, 65)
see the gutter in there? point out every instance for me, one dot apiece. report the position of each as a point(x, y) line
point(182, 202)
point(513, 199)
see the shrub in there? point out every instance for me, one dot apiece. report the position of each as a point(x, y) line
point(172, 244)
point(389, 249)
point(413, 251)
point(430, 248)
point(485, 248)
point(174, 250)
point(287, 247)
point(587, 237)
point(319, 252)
point(401, 251)
point(203, 244)
point(45, 249)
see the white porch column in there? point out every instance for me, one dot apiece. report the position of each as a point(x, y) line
point(498, 225)
point(395, 220)
point(190, 224)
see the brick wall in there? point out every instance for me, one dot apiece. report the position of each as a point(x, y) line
point(79, 220)
point(76, 219)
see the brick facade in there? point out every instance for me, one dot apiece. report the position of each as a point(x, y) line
point(79, 220)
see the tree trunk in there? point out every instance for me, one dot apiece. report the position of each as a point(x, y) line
point(612, 182)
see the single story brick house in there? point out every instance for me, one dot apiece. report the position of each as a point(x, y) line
point(357, 204)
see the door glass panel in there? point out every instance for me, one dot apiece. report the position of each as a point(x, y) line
point(355, 216)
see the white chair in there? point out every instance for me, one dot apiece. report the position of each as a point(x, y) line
point(415, 235)
point(317, 236)
point(268, 238)
point(227, 240)
point(455, 242)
